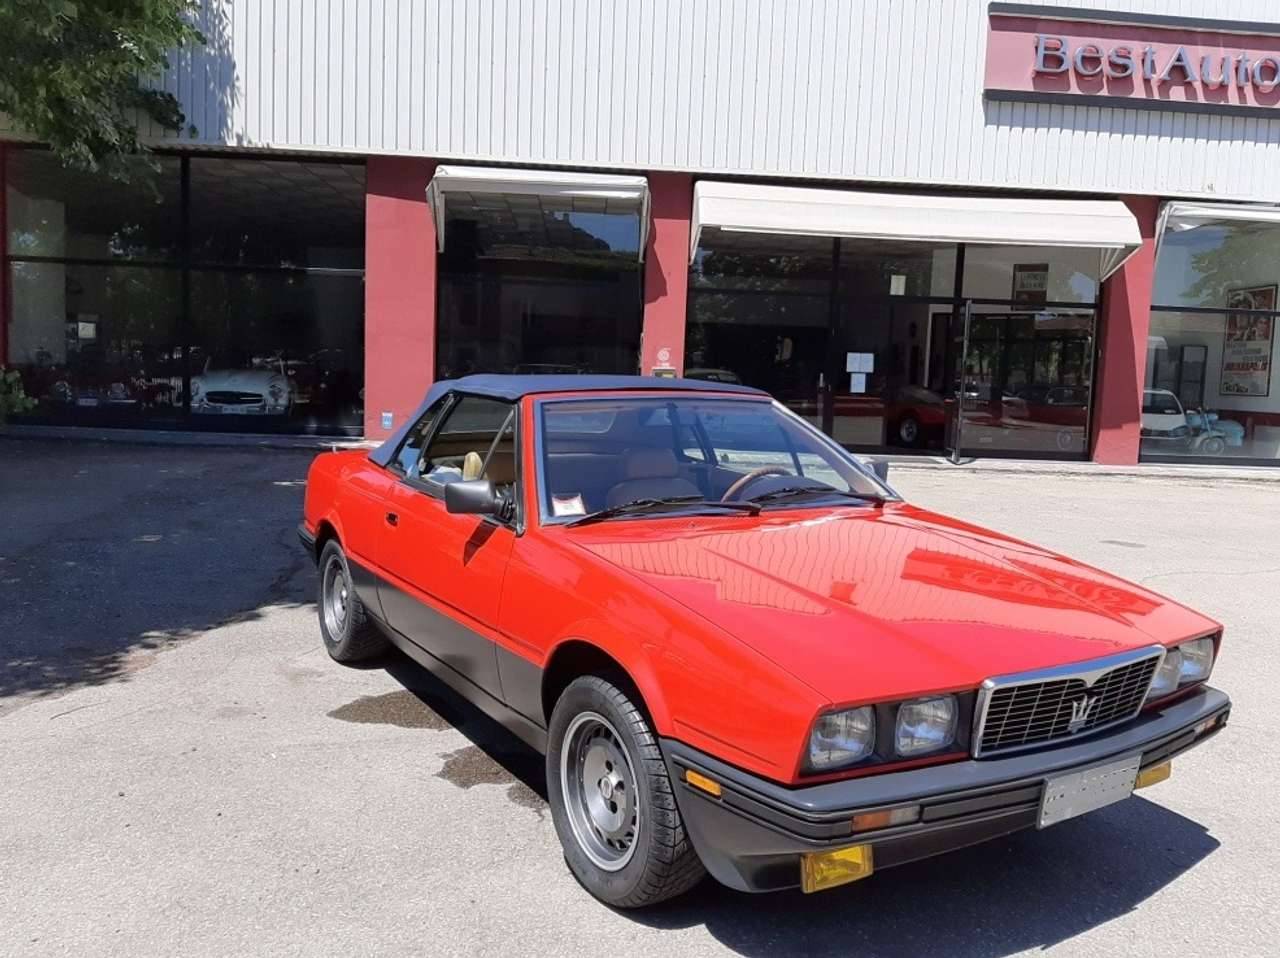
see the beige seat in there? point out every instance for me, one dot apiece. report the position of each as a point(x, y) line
point(501, 470)
point(472, 465)
point(650, 474)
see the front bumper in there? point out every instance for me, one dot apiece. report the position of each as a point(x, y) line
point(752, 836)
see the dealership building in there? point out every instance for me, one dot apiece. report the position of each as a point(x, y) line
point(962, 226)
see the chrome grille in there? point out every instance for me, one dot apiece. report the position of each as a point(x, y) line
point(227, 397)
point(1024, 711)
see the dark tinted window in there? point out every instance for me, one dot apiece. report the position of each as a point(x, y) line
point(56, 212)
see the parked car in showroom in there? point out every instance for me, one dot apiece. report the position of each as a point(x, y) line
point(739, 649)
point(232, 384)
point(916, 416)
point(1167, 426)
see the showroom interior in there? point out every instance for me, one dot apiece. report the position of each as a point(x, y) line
point(229, 293)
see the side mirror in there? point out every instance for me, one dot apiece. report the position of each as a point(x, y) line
point(472, 496)
point(881, 469)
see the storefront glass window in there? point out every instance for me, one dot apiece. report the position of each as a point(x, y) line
point(1031, 275)
point(251, 321)
point(866, 338)
point(280, 348)
point(59, 213)
point(533, 284)
point(251, 212)
point(1212, 346)
point(97, 344)
point(759, 313)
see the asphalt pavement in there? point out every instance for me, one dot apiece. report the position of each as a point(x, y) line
point(183, 771)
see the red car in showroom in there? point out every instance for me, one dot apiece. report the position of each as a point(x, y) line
point(741, 651)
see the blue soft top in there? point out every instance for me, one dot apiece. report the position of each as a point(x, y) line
point(512, 388)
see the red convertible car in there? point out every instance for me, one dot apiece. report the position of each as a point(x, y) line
point(739, 649)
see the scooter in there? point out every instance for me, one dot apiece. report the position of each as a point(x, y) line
point(1210, 436)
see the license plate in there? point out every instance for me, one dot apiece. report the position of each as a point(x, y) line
point(1077, 793)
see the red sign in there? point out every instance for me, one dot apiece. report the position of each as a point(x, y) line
point(1100, 58)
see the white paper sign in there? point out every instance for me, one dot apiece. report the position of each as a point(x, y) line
point(859, 362)
point(857, 382)
point(568, 506)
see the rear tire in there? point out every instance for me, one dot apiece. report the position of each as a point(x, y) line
point(909, 431)
point(1213, 446)
point(612, 801)
point(348, 632)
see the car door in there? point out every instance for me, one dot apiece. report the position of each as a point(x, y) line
point(443, 572)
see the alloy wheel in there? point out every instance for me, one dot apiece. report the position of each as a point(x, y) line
point(336, 595)
point(601, 799)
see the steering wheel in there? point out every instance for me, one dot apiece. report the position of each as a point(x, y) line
point(731, 494)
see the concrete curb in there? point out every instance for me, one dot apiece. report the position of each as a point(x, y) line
point(1040, 467)
point(161, 437)
point(165, 437)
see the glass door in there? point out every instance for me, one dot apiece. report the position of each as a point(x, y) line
point(1022, 382)
point(888, 372)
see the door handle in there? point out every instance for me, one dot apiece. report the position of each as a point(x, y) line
point(392, 519)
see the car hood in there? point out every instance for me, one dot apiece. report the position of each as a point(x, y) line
point(866, 604)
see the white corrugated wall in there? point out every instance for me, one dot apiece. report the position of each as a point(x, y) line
point(873, 90)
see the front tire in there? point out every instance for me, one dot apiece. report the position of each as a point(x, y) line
point(1213, 446)
point(348, 632)
point(612, 801)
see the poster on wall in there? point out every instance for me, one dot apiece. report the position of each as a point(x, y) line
point(1247, 344)
point(1031, 283)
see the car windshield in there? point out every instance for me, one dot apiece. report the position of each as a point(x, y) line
point(637, 455)
point(1161, 404)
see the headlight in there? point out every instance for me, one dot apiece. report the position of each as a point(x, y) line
point(1166, 679)
point(1197, 661)
point(842, 738)
point(925, 725)
point(1183, 665)
point(277, 393)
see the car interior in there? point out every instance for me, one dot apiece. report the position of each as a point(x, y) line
point(638, 456)
point(467, 446)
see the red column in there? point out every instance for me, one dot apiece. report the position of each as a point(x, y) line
point(1122, 356)
point(666, 272)
point(4, 266)
point(399, 290)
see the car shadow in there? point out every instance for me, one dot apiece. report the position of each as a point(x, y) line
point(112, 553)
point(495, 756)
point(1028, 890)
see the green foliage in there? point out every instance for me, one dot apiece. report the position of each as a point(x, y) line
point(73, 74)
point(13, 399)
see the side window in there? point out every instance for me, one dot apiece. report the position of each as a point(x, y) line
point(475, 441)
point(409, 456)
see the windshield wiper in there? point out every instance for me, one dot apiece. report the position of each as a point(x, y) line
point(647, 504)
point(797, 492)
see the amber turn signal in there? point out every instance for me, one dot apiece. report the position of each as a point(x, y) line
point(702, 783)
point(866, 821)
point(1153, 775)
point(821, 870)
